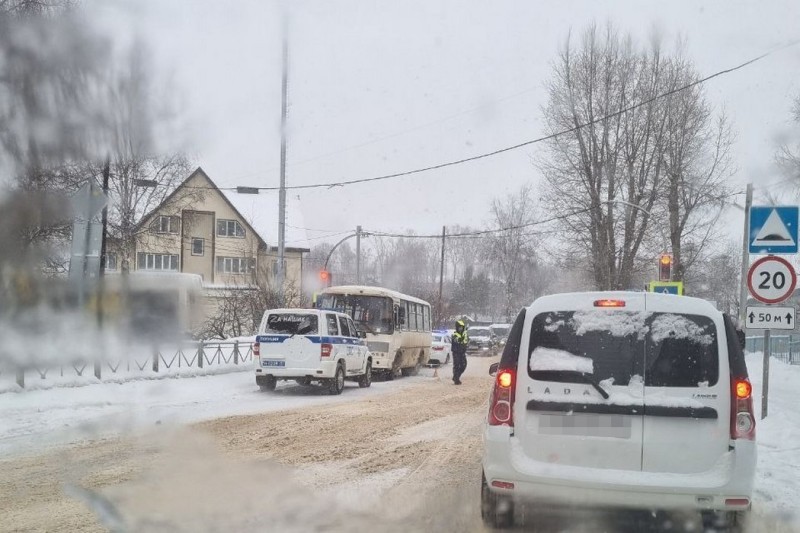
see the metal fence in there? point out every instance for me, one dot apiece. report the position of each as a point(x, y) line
point(785, 348)
point(187, 359)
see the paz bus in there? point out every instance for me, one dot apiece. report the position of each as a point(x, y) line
point(398, 326)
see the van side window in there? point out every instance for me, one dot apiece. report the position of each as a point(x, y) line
point(345, 328)
point(353, 330)
point(333, 326)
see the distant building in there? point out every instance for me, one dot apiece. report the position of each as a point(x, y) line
point(228, 239)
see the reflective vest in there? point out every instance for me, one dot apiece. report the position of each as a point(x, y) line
point(460, 338)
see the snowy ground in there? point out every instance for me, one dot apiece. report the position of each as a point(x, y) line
point(36, 419)
point(32, 421)
point(778, 471)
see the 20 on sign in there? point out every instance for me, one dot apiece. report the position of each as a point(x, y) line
point(771, 279)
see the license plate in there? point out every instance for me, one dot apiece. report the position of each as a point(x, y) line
point(272, 362)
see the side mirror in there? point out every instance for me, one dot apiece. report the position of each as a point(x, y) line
point(493, 368)
point(362, 334)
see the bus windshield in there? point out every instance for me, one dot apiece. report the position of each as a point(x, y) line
point(372, 314)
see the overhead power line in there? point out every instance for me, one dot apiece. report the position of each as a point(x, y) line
point(532, 141)
point(507, 228)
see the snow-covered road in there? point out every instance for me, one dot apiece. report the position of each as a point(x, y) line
point(31, 421)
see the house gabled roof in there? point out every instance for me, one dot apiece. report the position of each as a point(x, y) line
point(258, 211)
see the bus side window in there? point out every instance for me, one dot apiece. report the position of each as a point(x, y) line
point(400, 317)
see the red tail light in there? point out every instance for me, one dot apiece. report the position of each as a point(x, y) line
point(502, 402)
point(256, 349)
point(325, 350)
point(438, 348)
point(743, 423)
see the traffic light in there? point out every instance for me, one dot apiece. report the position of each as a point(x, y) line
point(665, 267)
point(325, 277)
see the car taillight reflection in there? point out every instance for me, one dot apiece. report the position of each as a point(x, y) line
point(743, 423)
point(502, 402)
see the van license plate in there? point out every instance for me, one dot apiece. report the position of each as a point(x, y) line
point(272, 362)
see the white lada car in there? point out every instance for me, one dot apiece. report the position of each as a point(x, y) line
point(621, 399)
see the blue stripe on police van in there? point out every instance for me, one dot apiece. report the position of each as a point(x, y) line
point(316, 339)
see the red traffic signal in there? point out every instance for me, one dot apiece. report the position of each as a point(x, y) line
point(325, 277)
point(665, 267)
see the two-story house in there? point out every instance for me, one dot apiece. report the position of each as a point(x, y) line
point(228, 238)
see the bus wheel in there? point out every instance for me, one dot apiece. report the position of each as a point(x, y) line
point(414, 370)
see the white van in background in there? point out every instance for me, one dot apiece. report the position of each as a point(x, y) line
point(621, 399)
point(309, 345)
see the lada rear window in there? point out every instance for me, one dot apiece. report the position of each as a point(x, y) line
point(292, 324)
point(681, 351)
point(571, 346)
point(618, 347)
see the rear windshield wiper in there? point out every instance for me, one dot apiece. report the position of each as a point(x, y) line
point(561, 375)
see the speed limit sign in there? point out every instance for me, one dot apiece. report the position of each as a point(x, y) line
point(771, 279)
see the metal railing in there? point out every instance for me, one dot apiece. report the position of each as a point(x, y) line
point(784, 348)
point(187, 359)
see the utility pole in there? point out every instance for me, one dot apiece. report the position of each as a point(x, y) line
point(104, 219)
point(280, 273)
point(101, 275)
point(441, 273)
point(358, 255)
point(745, 256)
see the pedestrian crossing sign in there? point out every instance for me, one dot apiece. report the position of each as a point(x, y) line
point(666, 287)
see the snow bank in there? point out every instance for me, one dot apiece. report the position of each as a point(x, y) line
point(120, 364)
point(778, 472)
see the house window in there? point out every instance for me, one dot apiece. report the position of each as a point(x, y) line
point(198, 246)
point(111, 261)
point(145, 261)
point(167, 224)
point(229, 228)
point(235, 265)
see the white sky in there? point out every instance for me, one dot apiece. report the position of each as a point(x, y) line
point(387, 86)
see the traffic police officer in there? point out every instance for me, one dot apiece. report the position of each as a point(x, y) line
point(459, 341)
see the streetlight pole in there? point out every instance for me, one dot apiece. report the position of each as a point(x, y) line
point(280, 272)
point(745, 255)
point(358, 255)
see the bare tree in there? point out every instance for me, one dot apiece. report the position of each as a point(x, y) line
point(606, 172)
point(630, 158)
point(716, 278)
point(239, 311)
point(697, 164)
point(512, 250)
point(788, 155)
point(33, 7)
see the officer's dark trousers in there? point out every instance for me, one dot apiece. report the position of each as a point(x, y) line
point(459, 365)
